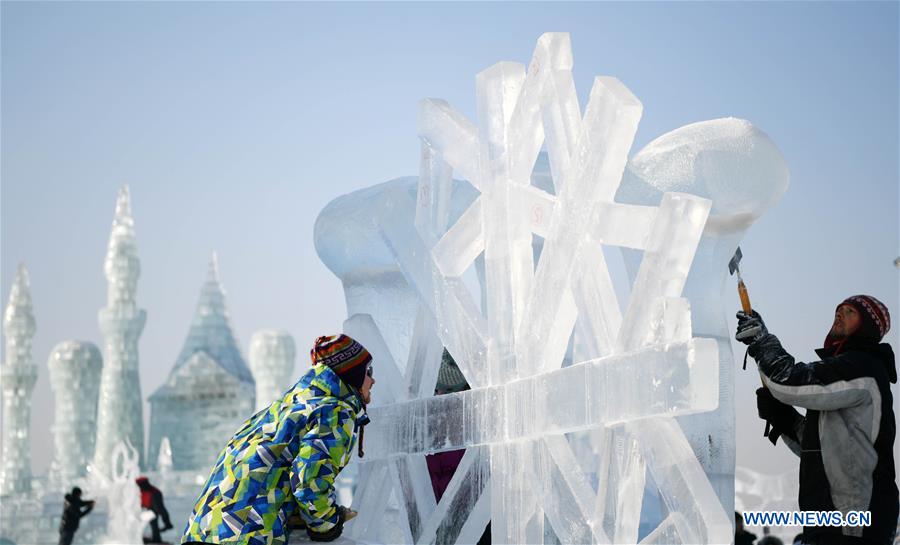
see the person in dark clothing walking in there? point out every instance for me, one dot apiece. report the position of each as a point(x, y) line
point(845, 440)
point(152, 500)
point(73, 509)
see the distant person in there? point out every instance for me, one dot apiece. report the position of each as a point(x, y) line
point(152, 500)
point(442, 465)
point(741, 536)
point(286, 457)
point(73, 509)
point(845, 440)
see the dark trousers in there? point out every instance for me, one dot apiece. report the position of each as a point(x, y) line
point(154, 531)
point(65, 537)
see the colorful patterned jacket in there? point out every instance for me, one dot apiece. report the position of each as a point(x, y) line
point(284, 457)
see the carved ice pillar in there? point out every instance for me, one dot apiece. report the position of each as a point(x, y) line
point(18, 375)
point(75, 380)
point(272, 355)
point(742, 171)
point(120, 411)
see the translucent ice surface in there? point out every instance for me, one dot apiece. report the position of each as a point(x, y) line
point(743, 173)
point(577, 399)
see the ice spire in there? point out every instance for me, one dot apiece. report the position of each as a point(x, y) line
point(19, 373)
point(120, 411)
point(209, 377)
point(122, 266)
point(211, 330)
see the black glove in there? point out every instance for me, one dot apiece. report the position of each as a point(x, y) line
point(750, 327)
point(780, 415)
point(334, 533)
point(768, 407)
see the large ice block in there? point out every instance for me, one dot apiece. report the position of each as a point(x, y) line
point(664, 380)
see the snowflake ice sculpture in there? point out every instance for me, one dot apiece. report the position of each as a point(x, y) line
point(519, 469)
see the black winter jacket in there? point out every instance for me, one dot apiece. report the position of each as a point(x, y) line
point(73, 509)
point(845, 441)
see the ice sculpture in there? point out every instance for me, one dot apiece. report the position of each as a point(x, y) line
point(75, 369)
point(18, 375)
point(743, 173)
point(632, 372)
point(209, 391)
point(125, 520)
point(120, 410)
point(272, 355)
point(164, 459)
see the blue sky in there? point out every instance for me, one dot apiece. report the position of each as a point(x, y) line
point(235, 123)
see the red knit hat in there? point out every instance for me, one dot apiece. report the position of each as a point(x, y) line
point(875, 318)
point(346, 357)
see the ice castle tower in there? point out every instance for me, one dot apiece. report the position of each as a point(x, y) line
point(120, 410)
point(18, 374)
point(272, 355)
point(75, 369)
point(210, 390)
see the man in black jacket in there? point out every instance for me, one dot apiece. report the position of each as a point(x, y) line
point(73, 509)
point(845, 440)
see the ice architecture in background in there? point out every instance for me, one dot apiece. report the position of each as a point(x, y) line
point(209, 391)
point(18, 375)
point(75, 369)
point(272, 355)
point(120, 410)
point(633, 371)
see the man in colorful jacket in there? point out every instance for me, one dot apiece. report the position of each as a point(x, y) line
point(285, 458)
point(845, 440)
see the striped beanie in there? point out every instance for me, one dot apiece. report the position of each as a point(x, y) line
point(875, 318)
point(346, 357)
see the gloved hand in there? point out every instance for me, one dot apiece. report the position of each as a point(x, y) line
point(336, 530)
point(750, 327)
point(768, 407)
